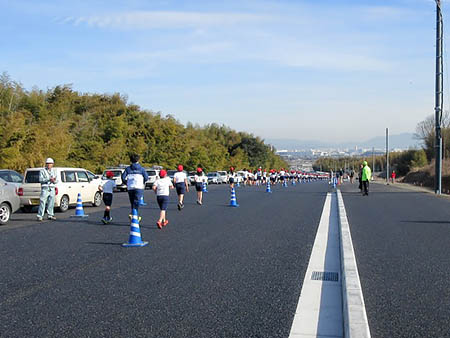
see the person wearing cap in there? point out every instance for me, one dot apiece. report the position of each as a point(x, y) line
point(181, 184)
point(231, 177)
point(366, 176)
point(107, 188)
point(48, 180)
point(162, 189)
point(135, 177)
point(199, 179)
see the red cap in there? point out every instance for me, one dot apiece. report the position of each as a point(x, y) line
point(162, 173)
point(180, 167)
point(109, 174)
point(199, 170)
point(231, 168)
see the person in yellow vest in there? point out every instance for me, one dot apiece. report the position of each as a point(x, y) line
point(366, 176)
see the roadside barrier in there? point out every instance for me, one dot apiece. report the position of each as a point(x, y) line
point(135, 239)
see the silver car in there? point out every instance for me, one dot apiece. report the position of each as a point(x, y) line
point(9, 201)
point(12, 177)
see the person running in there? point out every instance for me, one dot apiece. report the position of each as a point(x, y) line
point(199, 179)
point(107, 188)
point(48, 180)
point(352, 175)
point(231, 177)
point(366, 176)
point(181, 183)
point(135, 177)
point(162, 189)
point(282, 176)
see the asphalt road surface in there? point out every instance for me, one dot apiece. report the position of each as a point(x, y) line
point(402, 246)
point(214, 271)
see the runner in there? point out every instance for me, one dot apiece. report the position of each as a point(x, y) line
point(107, 187)
point(162, 188)
point(181, 183)
point(199, 180)
point(231, 177)
point(135, 177)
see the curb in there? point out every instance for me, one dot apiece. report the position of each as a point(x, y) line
point(356, 324)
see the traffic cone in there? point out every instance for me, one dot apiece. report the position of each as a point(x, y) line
point(238, 184)
point(268, 187)
point(204, 187)
point(293, 182)
point(141, 201)
point(285, 184)
point(233, 202)
point(79, 212)
point(135, 239)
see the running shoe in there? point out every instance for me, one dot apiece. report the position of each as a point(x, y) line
point(179, 206)
point(165, 223)
point(159, 224)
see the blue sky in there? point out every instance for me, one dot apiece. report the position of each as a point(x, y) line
point(326, 70)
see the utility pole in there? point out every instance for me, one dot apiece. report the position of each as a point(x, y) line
point(387, 156)
point(439, 100)
point(373, 159)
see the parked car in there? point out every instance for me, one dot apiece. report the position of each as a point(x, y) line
point(213, 177)
point(71, 181)
point(153, 175)
point(117, 171)
point(171, 173)
point(223, 177)
point(9, 201)
point(11, 176)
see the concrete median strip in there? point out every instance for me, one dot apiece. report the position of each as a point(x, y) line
point(356, 324)
point(331, 302)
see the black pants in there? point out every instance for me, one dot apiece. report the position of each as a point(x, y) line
point(366, 187)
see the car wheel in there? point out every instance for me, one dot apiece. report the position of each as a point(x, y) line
point(64, 204)
point(97, 199)
point(27, 208)
point(5, 213)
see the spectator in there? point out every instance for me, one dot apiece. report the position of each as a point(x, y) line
point(393, 176)
point(366, 176)
point(47, 178)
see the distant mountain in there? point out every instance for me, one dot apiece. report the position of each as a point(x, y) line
point(398, 141)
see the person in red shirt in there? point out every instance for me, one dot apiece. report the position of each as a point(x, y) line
point(393, 176)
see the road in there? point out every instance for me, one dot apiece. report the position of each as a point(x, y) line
point(217, 271)
point(214, 271)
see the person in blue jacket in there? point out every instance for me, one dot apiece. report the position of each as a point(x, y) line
point(135, 177)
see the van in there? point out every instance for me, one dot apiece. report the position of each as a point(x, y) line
point(71, 182)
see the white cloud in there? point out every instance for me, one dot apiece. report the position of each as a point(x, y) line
point(165, 19)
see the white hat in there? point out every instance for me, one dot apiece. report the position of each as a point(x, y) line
point(49, 160)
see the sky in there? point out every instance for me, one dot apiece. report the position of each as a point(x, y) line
point(326, 70)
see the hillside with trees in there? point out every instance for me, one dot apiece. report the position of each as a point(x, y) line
point(99, 130)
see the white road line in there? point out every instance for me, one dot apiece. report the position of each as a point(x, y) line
point(319, 309)
point(356, 324)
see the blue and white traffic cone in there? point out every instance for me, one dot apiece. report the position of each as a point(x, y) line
point(79, 212)
point(238, 184)
point(293, 182)
point(142, 202)
point(334, 182)
point(268, 189)
point(135, 239)
point(204, 187)
point(285, 184)
point(233, 202)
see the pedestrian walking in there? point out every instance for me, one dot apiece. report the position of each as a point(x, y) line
point(366, 176)
point(162, 188)
point(107, 188)
point(199, 179)
point(135, 177)
point(48, 180)
point(181, 184)
point(393, 176)
point(352, 175)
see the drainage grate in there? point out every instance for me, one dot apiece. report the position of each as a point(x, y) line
point(325, 276)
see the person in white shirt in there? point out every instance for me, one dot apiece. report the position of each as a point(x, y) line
point(162, 188)
point(231, 177)
point(108, 187)
point(181, 184)
point(199, 178)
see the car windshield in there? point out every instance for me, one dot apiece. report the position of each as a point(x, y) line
point(212, 174)
point(151, 173)
point(32, 176)
point(171, 172)
point(192, 173)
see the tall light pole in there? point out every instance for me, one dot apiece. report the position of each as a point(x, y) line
point(387, 156)
point(439, 100)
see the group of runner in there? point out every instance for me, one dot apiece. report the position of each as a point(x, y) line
point(135, 177)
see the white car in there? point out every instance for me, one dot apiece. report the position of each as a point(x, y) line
point(223, 177)
point(71, 182)
point(117, 171)
point(153, 175)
